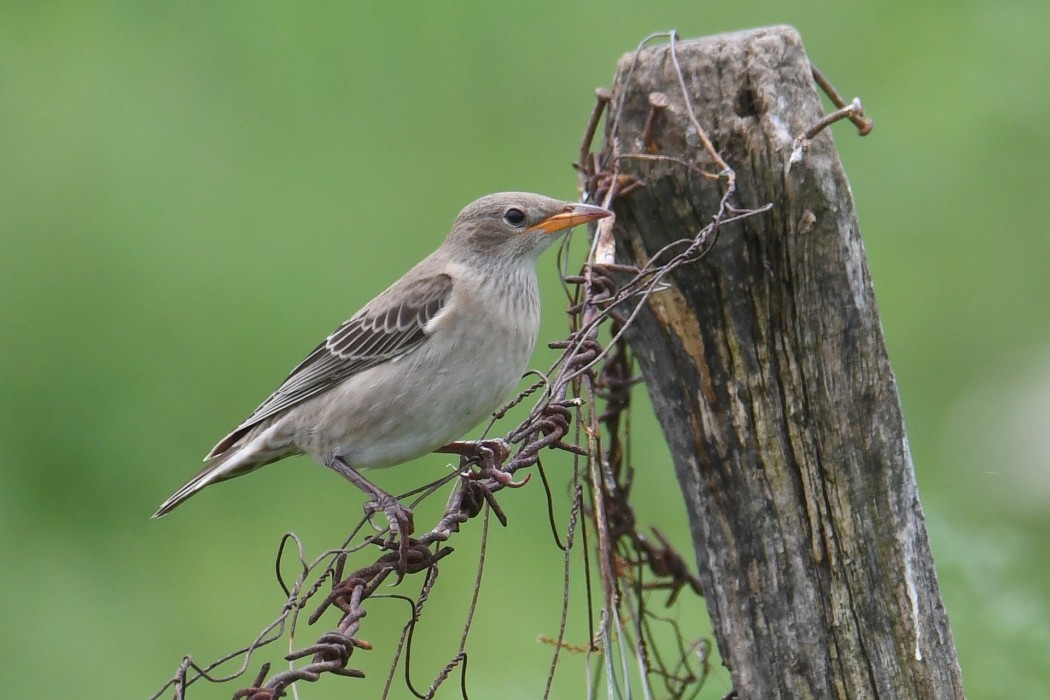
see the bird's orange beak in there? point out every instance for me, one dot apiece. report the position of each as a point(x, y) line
point(572, 215)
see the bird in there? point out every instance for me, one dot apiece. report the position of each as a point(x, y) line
point(418, 366)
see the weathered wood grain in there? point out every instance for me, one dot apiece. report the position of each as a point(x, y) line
point(765, 362)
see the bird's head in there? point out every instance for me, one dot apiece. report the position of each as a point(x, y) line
point(515, 226)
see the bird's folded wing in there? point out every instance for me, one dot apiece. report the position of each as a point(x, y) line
point(391, 325)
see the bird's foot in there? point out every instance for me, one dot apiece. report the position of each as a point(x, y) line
point(489, 455)
point(485, 453)
point(399, 524)
point(497, 474)
point(398, 518)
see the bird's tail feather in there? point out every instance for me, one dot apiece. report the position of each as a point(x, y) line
point(239, 458)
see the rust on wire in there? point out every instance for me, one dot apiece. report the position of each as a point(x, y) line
point(852, 110)
point(657, 103)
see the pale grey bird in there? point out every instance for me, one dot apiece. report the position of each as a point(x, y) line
point(419, 365)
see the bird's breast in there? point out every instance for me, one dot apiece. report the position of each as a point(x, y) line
point(471, 362)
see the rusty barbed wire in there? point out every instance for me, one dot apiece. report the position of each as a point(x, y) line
point(624, 554)
point(546, 427)
point(604, 295)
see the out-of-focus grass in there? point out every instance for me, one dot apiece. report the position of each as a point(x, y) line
point(192, 194)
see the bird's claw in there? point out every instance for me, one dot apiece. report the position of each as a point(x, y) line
point(494, 451)
point(399, 524)
point(498, 475)
point(489, 455)
point(485, 453)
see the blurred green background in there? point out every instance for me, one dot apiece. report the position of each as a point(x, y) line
point(192, 194)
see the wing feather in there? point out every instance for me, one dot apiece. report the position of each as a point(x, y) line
point(392, 324)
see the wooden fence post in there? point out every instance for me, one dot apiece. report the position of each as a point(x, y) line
point(766, 365)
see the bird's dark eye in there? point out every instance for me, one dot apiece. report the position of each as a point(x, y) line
point(514, 216)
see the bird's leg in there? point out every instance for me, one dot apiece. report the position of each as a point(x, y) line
point(398, 517)
point(489, 455)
